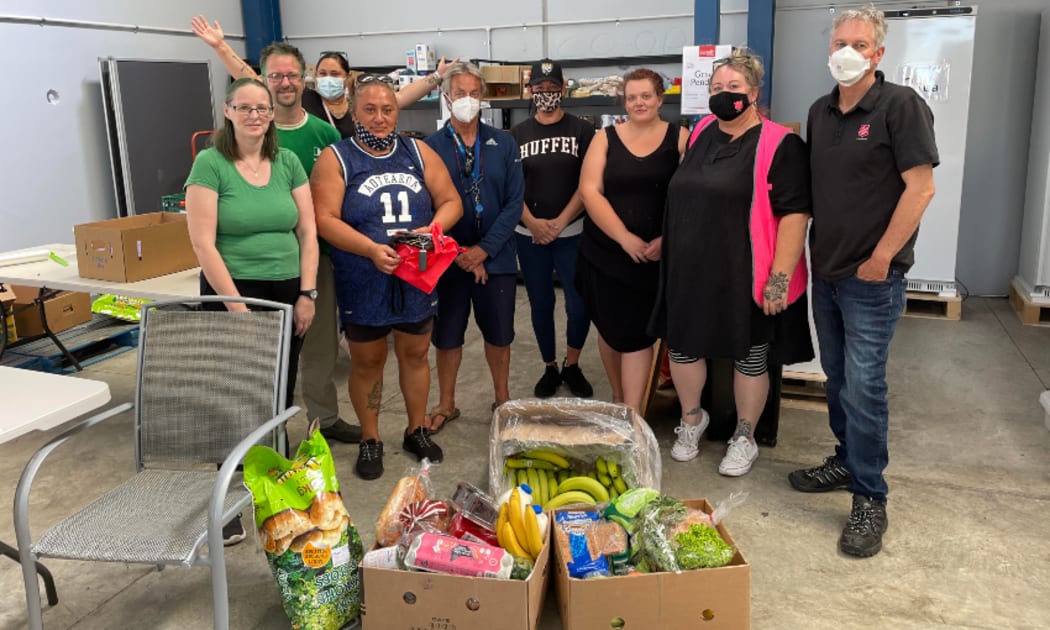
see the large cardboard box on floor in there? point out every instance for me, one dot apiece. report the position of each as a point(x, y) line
point(134, 248)
point(702, 598)
point(64, 310)
point(407, 600)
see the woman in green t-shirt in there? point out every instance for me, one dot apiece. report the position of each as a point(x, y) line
point(251, 217)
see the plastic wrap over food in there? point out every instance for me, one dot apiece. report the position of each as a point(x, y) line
point(580, 430)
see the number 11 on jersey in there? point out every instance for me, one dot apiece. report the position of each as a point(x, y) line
point(388, 208)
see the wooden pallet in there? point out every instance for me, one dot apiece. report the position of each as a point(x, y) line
point(1031, 313)
point(94, 341)
point(803, 390)
point(933, 306)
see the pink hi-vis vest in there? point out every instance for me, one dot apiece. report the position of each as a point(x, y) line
point(763, 223)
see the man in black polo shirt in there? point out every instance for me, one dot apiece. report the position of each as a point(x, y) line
point(872, 154)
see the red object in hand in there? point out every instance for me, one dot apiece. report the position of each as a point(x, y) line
point(422, 267)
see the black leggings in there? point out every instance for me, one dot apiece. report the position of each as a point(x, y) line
point(283, 291)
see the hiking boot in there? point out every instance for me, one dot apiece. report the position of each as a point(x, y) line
point(578, 384)
point(862, 535)
point(342, 431)
point(419, 444)
point(370, 460)
point(687, 446)
point(233, 532)
point(740, 455)
point(547, 386)
point(831, 475)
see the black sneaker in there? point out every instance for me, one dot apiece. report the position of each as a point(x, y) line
point(370, 460)
point(547, 386)
point(342, 431)
point(233, 532)
point(419, 444)
point(831, 475)
point(577, 382)
point(862, 536)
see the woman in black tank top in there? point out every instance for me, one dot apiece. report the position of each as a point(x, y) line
point(624, 187)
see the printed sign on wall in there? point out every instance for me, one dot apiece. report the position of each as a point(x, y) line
point(697, 62)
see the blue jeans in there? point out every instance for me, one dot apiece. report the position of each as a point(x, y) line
point(538, 263)
point(855, 321)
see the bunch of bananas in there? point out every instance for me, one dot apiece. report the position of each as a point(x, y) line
point(555, 483)
point(517, 528)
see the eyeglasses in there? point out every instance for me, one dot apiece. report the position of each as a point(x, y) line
point(277, 77)
point(374, 78)
point(246, 110)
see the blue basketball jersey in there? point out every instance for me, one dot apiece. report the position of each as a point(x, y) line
point(384, 194)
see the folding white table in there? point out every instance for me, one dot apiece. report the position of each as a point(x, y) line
point(38, 401)
point(48, 274)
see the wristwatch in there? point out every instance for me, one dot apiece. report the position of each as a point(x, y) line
point(312, 294)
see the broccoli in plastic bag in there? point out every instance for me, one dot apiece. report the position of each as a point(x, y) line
point(311, 545)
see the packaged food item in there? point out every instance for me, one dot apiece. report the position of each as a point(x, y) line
point(445, 554)
point(412, 488)
point(611, 540)
point(463, 527)
point(427, 515)
point(383, 558)
point(574, 532)
point(476, 505)
point(311, 545)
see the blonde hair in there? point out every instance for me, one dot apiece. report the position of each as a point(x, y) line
point(746, 62)
point(868, 14)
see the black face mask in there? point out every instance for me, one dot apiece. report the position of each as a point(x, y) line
point(728, 105)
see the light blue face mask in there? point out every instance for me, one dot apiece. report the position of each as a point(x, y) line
point(330, 87)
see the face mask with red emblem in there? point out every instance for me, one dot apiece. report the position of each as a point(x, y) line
point(728, 105)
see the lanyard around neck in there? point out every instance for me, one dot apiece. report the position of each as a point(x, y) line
point(476, 174)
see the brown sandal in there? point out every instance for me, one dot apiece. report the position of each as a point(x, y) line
point(448, 414)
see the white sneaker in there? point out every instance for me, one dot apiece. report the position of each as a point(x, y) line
point(687, 446)
point(740, 455)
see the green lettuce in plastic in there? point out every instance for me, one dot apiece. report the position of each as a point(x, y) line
point(701, 547)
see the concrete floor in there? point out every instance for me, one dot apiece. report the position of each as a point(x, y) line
point(968, 544)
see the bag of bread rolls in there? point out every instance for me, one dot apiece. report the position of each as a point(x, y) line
point(412, 488)
point(311, 545)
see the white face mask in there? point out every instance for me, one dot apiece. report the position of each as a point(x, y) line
point(847, 65)
point(465, 109)
point(330, 87)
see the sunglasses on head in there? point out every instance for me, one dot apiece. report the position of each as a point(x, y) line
point(374, 78)
point(339, 53)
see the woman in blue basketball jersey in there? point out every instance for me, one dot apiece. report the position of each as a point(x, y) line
point(366, 188)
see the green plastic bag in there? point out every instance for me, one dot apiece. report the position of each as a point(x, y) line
point(122, 307)
point(312, 547)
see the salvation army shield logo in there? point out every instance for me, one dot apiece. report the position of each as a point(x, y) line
point(864, 131)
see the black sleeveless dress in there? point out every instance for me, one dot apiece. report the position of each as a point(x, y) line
point(618, 292)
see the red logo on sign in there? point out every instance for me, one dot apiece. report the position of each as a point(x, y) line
point(863, 131)
point(706, 51)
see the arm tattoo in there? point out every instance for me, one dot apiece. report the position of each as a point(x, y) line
point(375, 396)
point(743, 429)
point(776, 287)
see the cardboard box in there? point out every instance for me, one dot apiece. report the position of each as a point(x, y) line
point(7, 300)
point(503, 82)
point(400, 600)
point(704, 598)
point(795, 127)
point(134, 248)
point(64, 310)
point(426, 58)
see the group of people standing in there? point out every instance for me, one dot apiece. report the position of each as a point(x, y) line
point(653, 232)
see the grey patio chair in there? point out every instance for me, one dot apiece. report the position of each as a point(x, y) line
point(210, 384)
